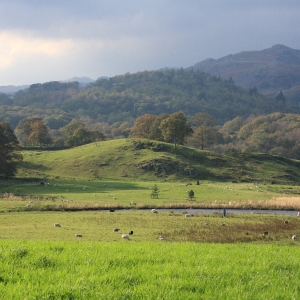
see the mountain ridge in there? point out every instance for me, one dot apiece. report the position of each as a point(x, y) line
point(270, 70)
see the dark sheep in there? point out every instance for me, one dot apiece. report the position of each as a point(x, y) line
point(130, 232)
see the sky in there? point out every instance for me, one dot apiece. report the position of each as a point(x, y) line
point(49, 40)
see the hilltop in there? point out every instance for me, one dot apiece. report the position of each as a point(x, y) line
point(269, 70)
point(147, 160)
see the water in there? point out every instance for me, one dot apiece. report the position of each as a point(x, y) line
point(211, 211)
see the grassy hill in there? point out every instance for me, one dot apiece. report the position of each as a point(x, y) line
point(146, 160)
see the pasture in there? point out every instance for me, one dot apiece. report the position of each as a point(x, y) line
point(169, 255)
point(148, 227)
point(79, 194)
point(205, 256)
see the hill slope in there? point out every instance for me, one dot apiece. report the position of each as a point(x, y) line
point(141, 159)
point(270, 70)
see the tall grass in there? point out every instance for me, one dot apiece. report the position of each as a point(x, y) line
point(97, 270)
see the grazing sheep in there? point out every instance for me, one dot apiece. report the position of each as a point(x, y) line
point(115, 198)
point(223, 224)
point(154, 211)
point(111, 210)
point(57, 225)
point(286, 222)
point(78, 235)
point(161, 238)
point(188, 215)
point(294, 237)
point(266, 233)
point(116, 229)
point(130, 232)
point(125, 236)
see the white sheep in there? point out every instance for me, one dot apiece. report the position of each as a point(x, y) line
point(161, 238)
point(125, 236)
point(294, 237)
point(78, 235)
point(154, 211)
point(57, 225)
point(188, 215)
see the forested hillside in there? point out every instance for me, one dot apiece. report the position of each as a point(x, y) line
point(126, 97)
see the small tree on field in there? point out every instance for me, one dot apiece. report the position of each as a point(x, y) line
point(155, 191)
point(191, 194)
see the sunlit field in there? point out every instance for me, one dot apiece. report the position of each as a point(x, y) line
point(78, 194)
point(125, 270)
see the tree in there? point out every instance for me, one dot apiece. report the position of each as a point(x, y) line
point(174, 128)
point(10, 157)
point(76, 134)
point(24, 129)
point(155, 132)
point(142, 126)
point(155, 191)
point(280, 97)
point(205, 133)
point(39, 133)
point(191, 194)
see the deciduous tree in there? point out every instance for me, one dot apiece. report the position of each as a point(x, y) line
point(39, 134)
point(10, 157)
point(142, 126)
point(205, 131)
point(174, 128)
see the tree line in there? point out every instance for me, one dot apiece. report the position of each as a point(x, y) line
point(277, 134)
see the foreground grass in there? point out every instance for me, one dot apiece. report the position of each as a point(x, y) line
point(125, 270)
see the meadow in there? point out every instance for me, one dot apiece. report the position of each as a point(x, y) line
point(81, 194)
point(205, 256)
point(98, 270)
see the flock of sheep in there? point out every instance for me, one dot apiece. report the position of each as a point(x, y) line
point(125, 236)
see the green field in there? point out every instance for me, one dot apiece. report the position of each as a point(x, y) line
point(205, 256)
point(98, 270)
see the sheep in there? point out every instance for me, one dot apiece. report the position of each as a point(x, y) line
point(294, 237)
point(154, 211)
point(111, 210)
point(125, 236)
point(114, 198)
point(116, 229)
point(130, 232)
point(57, 225)
point(78, 235)
point(286, 222)
point(161, 238)
point(188, 215)
point(266, 233)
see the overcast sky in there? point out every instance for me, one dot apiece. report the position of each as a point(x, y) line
point(45, 40)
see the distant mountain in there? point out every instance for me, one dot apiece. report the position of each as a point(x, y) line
point(11, 89)
point(270, 70)
point(83, 81)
